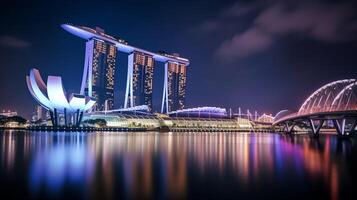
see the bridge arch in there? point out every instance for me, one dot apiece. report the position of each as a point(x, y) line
point(281, 114)
point(335, 102)
point(322, 99)
point(346, 99)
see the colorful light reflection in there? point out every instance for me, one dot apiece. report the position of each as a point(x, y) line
point(153, 165)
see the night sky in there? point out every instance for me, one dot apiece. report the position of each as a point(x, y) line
point(263, 55)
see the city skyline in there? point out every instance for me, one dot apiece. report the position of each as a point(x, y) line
point(268, 77)
point(178, 99)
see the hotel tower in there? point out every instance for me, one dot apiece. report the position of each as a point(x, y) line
point(174, 87)
point(99, 71)
point(139, 80)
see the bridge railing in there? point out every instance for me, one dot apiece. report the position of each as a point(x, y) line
point(333, 108)
point(314, 111)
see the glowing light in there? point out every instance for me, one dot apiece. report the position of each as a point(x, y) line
point(202, 111)
point(88, 33)
point(323, 98)
point(56, 93)
point(53, 95)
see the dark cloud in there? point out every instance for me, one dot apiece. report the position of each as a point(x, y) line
point(329, 23)
point(13, 42)
point(210, 26)
point(241, 45)
point(233, 13)
point(320, 21)
point(241, 8)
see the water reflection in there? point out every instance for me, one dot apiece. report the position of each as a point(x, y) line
point(153, 165)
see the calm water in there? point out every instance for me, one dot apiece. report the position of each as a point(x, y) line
point(176, 166)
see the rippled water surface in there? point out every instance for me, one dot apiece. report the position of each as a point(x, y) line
point(37, 165)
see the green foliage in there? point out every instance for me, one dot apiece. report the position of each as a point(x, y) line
point(17, 119)
point(96, 122)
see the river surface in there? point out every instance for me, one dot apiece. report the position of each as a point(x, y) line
point(104, 165)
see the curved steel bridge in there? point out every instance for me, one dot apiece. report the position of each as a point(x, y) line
point(333, 105)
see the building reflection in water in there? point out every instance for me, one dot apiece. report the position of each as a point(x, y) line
point(157, 165)
point(8, 150)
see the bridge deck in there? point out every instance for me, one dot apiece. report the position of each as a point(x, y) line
point(318, 115)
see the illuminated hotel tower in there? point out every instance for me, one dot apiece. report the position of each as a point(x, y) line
point(139, 80)
point(174, 87)
point(98, 74)
point(99, 68)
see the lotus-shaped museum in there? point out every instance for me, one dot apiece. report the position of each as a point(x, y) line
point(54, 98)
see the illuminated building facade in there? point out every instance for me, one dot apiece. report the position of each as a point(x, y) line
point(8, 113)
point(38, 114)
point(174, 87)
point(99, 71)
point(100, 62)
point(139, 80)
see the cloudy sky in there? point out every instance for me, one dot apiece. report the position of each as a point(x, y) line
point(264, 55)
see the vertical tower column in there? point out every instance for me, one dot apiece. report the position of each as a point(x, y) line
point(182, 86)
point(174, 92)
point(87, 71)
point(139, 83)
point(165, 99)
point(129, 83)
point(99, 73)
